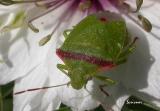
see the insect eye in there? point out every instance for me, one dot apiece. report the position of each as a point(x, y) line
point(102, 19)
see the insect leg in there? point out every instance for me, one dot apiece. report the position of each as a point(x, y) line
point(62, 68)
point(65, 33)
point(107, 82)
point(128, 49)
point(101, 87)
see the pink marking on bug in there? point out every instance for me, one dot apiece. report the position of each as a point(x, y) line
point(103, 19)
point(77, 56)
point(106, 68)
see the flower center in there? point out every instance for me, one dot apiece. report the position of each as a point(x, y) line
point(89, 6)
point(85, 4)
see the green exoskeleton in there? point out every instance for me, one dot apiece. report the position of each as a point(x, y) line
point(99, 42)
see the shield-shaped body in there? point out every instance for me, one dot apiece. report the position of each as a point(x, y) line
point(100, 41)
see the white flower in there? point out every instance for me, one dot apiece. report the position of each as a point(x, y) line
point(32, 66)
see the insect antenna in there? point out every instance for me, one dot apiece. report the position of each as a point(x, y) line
point(41, 88)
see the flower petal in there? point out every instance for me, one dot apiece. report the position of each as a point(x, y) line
point(140, 74)
point(20, 49)
point(147, 80)
point(18, 52)
point(73, 98)
point(37, 78)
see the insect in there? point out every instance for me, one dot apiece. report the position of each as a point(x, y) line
point(97, 43)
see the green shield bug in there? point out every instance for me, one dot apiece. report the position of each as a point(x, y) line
point(97, 43)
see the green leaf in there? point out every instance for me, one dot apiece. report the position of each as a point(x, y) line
point(64, 108)
point(8, 105)
point(100, 108)
point(136, 104)
point(6, 98)
point(6, 90)
point(1, 101)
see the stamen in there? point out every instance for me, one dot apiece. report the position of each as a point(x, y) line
point(85, 4)
point(125, 5)
point(139, 4)
point(57, 4)
point(145, 23)
point(1, 61)
point(33, 28)
point(44, 40)
point(11, 2)
point(17, 21)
